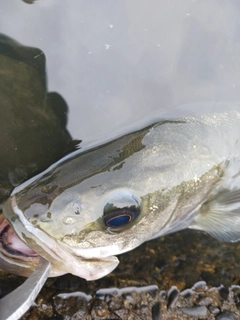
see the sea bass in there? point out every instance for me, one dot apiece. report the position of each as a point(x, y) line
point(179, 172)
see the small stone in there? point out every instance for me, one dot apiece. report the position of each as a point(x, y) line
point(205, 301)
point(128, 304)
point(198, 311)
point(99, 309)
point(236, 292)
point(223, 293)
point(187, 294)
point(71, 305)
point(235, 289)
point(163, 294)
point(225, 315)
point(144, 307)
point(153, 291)
point(122, 313)
point(214, 310)
point(129, 297)
point(156, 311)
point(115, 303)
point(200, 286)
point(173, 295)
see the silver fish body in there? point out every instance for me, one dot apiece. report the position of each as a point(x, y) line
point(175, 173)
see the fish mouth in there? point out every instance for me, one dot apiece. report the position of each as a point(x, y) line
point(62, 260)
point(12, 246)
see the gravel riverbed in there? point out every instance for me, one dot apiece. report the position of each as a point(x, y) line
point(186, 275)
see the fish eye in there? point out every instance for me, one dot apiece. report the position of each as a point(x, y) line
point(121, 210)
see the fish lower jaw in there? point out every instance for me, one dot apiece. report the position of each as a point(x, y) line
point(93, 252)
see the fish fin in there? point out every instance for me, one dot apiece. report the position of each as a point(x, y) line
point(220, 216)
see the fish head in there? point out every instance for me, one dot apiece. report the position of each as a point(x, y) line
point(82, 230)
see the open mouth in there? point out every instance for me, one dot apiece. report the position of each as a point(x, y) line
point(11, 245)
point(16, 257)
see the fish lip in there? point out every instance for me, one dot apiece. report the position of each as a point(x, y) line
point(93, 253)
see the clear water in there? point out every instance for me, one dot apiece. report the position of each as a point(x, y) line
point(116, 62)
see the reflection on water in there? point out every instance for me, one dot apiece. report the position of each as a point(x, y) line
point(33, 121)
point(28, 1)
point(160, 56)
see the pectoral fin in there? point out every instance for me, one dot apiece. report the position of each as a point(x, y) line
point(220, 216)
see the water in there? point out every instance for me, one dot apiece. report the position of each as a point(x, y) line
point(158, 56)
point(116, 63)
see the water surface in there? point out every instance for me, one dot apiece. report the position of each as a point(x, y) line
point(116, 62)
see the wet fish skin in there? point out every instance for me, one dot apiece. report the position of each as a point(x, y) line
point(172, 167)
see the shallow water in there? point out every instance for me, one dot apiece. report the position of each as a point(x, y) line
point(116, 63)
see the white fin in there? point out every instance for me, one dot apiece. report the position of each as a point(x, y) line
point(220, 216)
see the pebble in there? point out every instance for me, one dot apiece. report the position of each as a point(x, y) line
point(187, 294)
point(200, 286)
point(214, 310)
point(205, 301)
point(129, 303)
point(99, 309)
point(198, 302)
point(198, 311)
point(224, 292)
point(156, 311)
point(163, 294)
point(173, 294)
point(225, 315)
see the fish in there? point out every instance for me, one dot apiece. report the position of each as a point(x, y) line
point(179, 171)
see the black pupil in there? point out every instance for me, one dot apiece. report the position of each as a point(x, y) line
point(118, 221)
point(119, 218)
